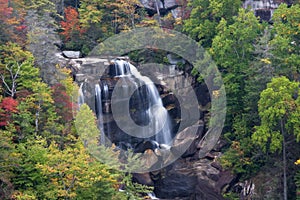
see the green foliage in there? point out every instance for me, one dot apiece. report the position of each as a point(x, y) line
point(74, 174)
point(41, 6)
point(29, 180)
point(205, 17)
point(276, 105)
point(125, 16)
point(286, 40)
point(233, 50)
point(89, 133)
point(8, 162)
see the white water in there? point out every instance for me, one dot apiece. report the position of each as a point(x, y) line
point(121, 67)
point(80, 95)
point(100, 113)
point(152, 195)
point(105, 91)
point(156, 111)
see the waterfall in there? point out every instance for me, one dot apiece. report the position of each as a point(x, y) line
point(156, 111)
point(149, 112)
point(99, 112)
point(105, 92)
point(80, 95)
point(121, 67)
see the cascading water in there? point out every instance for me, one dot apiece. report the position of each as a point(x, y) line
point(121, 68)
point(147, 103)
point(105, 91)
point(99, 112)
point(156, 111)
point(80, 95)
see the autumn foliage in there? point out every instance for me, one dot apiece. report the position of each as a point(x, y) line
point(71, 26)
point(12, 26)
point(8, 106)
point(5, 11)
point(63, 103)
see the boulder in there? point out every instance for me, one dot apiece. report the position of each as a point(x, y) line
point(149, 159)
point(71, 54)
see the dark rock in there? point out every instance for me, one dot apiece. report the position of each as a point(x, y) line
point(216, 165)
point(205, 192)
point(151, 4)
point(262, 8)
point(184, 141)
point(226, 177)
point(175, 185)
point(149, 159)
point(220, 144)
point(143, 178)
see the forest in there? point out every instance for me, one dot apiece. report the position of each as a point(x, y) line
point(42, 155)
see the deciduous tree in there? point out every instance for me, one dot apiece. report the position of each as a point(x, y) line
point(205, 17)
point(277, 106)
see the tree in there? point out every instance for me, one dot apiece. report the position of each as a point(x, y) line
point(277, 109)
point(74, 174)
point(17, 71)
point(96, 21)
point(297, 180)
point(8, 106)
point(72, 31)
point(8, 162)
point(205, 17)
point(286, 48)
point(232, 49)
point(12, 26)
point(89, 134)
point(125, 14)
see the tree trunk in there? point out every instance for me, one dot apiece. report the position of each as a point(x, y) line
point(284, 161)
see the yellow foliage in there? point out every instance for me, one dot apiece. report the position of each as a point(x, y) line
point(266, 60)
